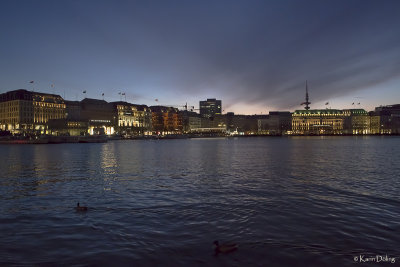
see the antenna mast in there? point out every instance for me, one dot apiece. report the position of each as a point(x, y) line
point(307, 103)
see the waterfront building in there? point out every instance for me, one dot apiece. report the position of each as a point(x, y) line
point(62, 127)
point(209, 126)
point(100, 116)
point(276, 123)
point(389, 119)
point(190, 120)
point(217, 121)
point(317, 121)
point(73, 125)
point(194, 122)
point(232, 124)
point(73, 110)
point(132, 119)
point(356, 121)
point(375, 123)
point(166, 120)
point(210, 108)
point(23, 111)
point(86, 117)
point(241, 124)
point(144, 115)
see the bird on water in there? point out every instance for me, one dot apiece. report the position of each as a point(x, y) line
point(81, 208)
point(224, 248)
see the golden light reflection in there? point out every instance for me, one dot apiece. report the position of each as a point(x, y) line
point(108, 165)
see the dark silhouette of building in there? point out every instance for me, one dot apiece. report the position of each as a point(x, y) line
point(388, 118)
point(276, 123)
point(100, 115)
point(190, 120)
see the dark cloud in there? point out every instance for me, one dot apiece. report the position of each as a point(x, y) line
point(249, 52)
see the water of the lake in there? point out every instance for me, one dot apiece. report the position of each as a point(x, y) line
point(316, 201)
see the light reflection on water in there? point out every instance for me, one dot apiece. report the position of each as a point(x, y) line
point(302, 201)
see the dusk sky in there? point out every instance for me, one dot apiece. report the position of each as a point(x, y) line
point(253, 55)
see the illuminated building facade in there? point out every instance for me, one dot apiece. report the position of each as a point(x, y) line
point(144, 115)
point(210, 108)
point(375, 123)
point(356, 122)
point(166, 120)
point(133, 119)
point(317, 121)
point(23, 111)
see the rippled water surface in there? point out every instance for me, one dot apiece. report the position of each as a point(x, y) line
point(313, 201)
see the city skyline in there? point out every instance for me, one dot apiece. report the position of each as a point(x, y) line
point(196, 107)
point(254, 56)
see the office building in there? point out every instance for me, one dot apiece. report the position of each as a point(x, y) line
point(210, 108)
point(275, 123)
point(388, 118)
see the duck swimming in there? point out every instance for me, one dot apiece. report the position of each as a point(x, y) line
point(81, 208)
point(224, 248)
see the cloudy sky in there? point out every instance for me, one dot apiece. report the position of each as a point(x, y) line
point(253, 55)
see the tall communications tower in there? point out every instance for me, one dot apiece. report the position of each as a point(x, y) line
point(307, 103)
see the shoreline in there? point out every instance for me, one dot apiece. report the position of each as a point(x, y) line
point(104, 139)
